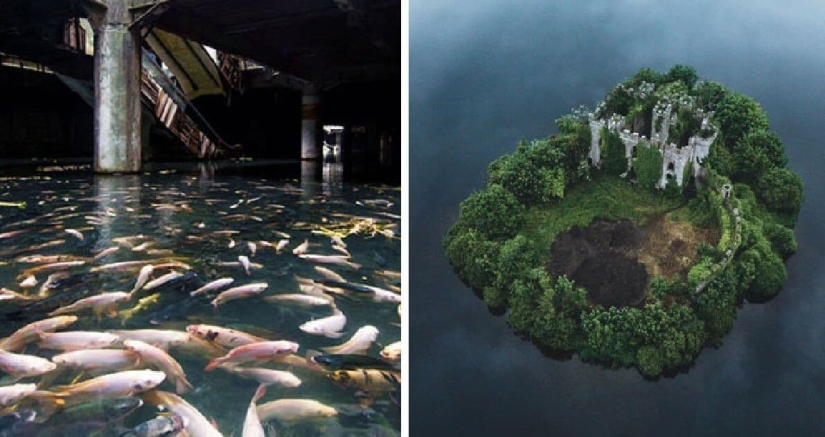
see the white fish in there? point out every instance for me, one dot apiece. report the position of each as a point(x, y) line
point(226, 337)
point(157, 282)
point(74, 340)
point(29, 282)
point(239, 292)
point(300, 299)
point(13, 393)
point(338, 241)
point(75, 233)
point(21, 365)
point(342, 250)
point(301, 249)
point(256, 351)
point(214, 285)
point(114, 385)
point(106, 251)
point(291, 410)
point(268, 376)
point(358, 344)
point(330, 259)
point(97, 359)
point(281, 245)
point(253, 248)
point(245, 264)
point(157, 357)
point(101, 303)
point(195, 422)
point(11, 295)
point(161, 338)
point(329, 274)
point(143, 276)
point(30, 332)
point(392, 352)
point(252, 424)
point(328, 326)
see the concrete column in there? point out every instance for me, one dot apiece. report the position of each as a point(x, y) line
point(117, 91)
point(310, 127)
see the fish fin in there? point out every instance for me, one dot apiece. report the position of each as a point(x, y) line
point(48, 378)
point(48, 403)
point(312, 353)
point(213, 364)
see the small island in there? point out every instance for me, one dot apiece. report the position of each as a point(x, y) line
point(633, 235)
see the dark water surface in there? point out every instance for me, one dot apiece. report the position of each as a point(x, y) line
point(486, 75)
point(182, 212)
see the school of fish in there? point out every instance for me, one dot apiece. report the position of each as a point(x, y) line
point(182, 305)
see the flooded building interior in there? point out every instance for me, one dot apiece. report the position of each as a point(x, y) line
point(183, 79)
point(223, 177)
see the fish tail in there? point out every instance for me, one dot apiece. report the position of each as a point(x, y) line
point(182, 386)
point(259, 393)
point(214, 363)
point(48, 402)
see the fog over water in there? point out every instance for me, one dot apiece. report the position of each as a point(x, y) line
point(486, 75)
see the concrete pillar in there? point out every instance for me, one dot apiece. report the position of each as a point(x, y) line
point(310, 127)
point(117, 91)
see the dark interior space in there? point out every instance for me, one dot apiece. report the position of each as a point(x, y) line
point(266, 122)
point(41, 118)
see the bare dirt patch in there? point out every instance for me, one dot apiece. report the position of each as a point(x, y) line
point(614, 261)
point(669, 247)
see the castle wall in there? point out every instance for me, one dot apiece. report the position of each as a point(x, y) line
point(674, 158)
point(595, 154)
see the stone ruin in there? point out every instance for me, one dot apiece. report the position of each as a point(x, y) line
point(674, 158)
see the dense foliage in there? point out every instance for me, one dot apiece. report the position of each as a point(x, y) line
point(500, 244)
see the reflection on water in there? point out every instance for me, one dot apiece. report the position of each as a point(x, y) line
point(201, 224)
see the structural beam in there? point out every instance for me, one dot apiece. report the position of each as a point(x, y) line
point(117, 115)
point(310, 126)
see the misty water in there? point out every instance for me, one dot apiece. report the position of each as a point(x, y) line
point(205, 217)
point(484, 76)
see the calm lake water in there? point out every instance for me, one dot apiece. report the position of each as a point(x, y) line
point(484, 76)
point(205, 216)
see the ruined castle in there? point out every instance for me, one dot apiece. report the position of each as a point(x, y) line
point(664, 116)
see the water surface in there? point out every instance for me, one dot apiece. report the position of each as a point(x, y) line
point(205, 216)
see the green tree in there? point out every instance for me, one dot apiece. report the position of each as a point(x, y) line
point(559, 308)
point(781, 238)
point(614, 160)
point(737, 115)
point(709, 94)
point(769, 276)
point(649, 360)
point(758, 152)
point(648, 75)
point(716, 306)
point(648, 165)
point(516, 258)
point(611, 335)
point(530, 183)
point(522, 315)
point(494, 212)
point(781, 190)
point(684, 73)
point(473, 257)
